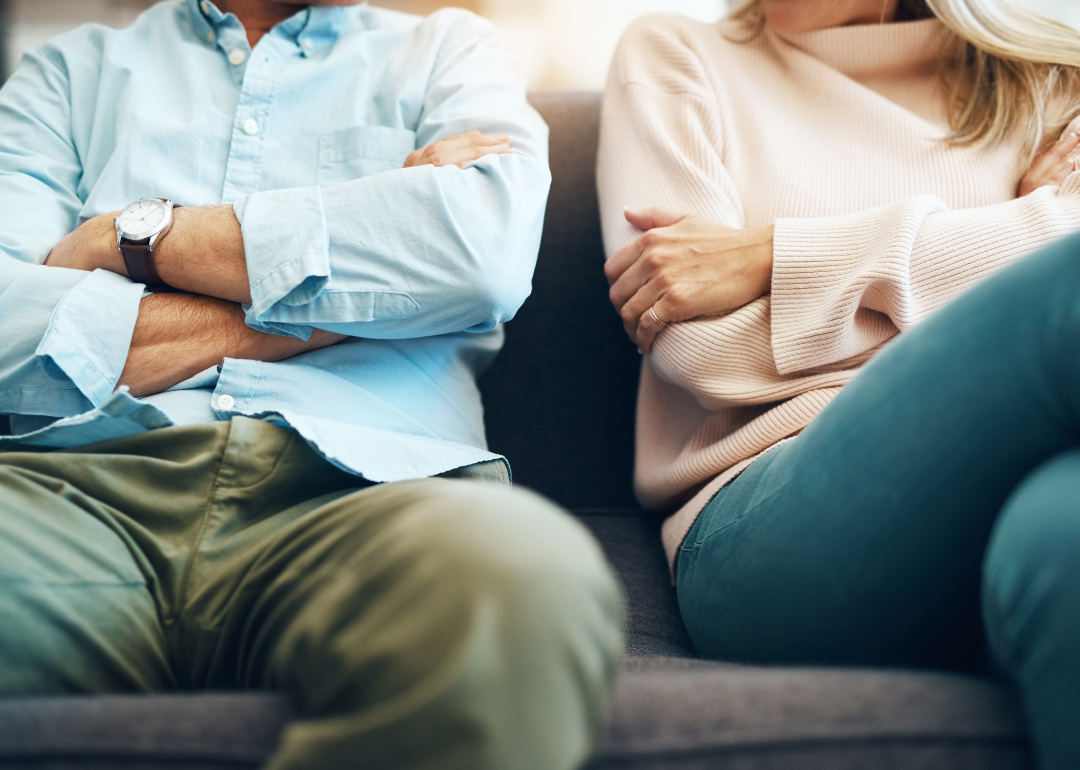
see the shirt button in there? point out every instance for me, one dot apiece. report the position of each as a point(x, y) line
point(210, 36)
point(250, 126)
point(308, 43)
point(236, 57)
point(225, 402)
point(205, 7)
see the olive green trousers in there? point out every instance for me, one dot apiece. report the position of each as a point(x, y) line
point(435, 623)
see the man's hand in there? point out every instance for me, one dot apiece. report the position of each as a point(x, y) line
point(460, 150)
point(1052, 166)
point(684, 267)
point(179, 335)
point(90, 246)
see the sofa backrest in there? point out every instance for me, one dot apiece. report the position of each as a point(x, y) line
point(559, 400)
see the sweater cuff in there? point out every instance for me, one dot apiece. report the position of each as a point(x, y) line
point(822, 267)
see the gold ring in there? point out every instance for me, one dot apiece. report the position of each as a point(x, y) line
point(656, 318)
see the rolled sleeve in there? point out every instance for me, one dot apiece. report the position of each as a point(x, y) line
point(287, 266)
point(68, 334)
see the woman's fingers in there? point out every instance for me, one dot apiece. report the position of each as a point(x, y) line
point(638, 322)
point(625, 290)
point(651, 323)
point(1057, 162)
point(647, 219)
point(1065, 147)
point(620, 261)
point(1052, 166)
point(642, 219)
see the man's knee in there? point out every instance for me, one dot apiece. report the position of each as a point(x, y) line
point(1031, 573)
point(465, 610)
point(509, 539)
point(489, 548)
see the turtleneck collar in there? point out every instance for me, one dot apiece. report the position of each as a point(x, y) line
point(870, 50)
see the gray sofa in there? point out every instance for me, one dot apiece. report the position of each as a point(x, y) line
point(560, 406)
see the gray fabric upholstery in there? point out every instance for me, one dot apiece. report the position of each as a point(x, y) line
point(560, 403)
point(207, 732)
point(631, 543)
point(560, 398)
point(683, 714)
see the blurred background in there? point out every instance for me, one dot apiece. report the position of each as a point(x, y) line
point(557, 43)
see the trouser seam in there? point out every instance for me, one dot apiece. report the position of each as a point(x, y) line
point(189, 566)
point(189, 563)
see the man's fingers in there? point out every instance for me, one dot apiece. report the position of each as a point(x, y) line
point(471, 139)
point(647, 219)
point(459, 150)
point(473, 154)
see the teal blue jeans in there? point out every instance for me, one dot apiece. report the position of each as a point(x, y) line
point(943, 482)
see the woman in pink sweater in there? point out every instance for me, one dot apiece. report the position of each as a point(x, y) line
point(784, 194)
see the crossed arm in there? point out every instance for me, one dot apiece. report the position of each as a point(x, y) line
point(178, 335)
point(684, 267)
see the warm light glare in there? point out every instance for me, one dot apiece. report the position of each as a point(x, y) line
point(557, 43)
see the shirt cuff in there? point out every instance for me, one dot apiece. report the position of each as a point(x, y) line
point(90, 332)
point(287, 248)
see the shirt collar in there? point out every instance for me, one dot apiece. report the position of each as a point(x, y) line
point(310, 29)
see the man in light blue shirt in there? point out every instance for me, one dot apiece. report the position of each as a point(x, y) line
point(360, 197)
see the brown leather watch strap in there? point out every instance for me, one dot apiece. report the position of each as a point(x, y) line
point(139, 266)
point(138, 259)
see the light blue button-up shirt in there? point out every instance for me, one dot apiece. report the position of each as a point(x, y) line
point(305, 135)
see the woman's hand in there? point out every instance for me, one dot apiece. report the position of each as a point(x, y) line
point(1052, 166)
point(683, 267)
point(460, 150)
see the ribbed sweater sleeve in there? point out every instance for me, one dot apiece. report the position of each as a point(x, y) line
point(843, 285)
point(660, 137)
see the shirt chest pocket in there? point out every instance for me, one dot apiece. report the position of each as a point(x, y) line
point(361, 151)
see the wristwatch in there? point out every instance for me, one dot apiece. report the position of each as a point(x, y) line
point(139, 228)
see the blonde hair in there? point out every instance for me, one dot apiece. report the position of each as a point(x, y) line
point(1008, 71)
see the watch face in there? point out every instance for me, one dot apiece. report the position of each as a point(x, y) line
point(142, 218)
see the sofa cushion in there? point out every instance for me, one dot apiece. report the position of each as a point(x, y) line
point(668, 714)
point(631, 542)
point(132, 732)
point(678, 714)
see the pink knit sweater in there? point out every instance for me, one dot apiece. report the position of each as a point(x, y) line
point(835, 137)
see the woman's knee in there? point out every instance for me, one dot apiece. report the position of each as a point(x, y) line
point(1031, 573)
